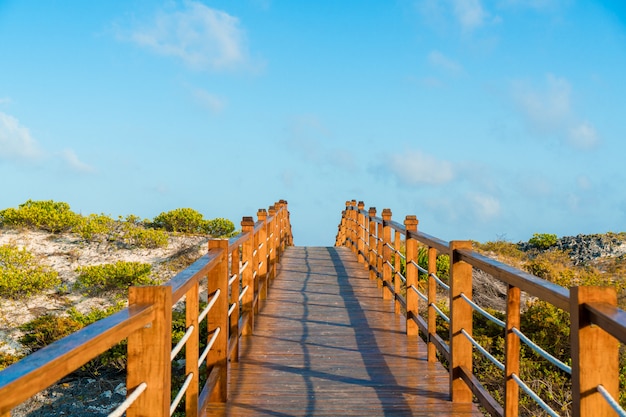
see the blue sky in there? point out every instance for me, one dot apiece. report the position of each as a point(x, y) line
point(488, 119)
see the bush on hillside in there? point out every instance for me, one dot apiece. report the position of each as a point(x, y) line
point(543, 241)
point(49, 328)
point(49, 215)
point(187, 220)
point(21, 275)
point(220, 227)
point(96, 279)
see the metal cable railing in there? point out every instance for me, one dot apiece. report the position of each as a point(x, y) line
point(611, 401)
point(209, 306)
point(209, 345)
point(181, 392)
point(181, 342)
point(554, 361)
point(534, 396)
point(482, 350)
point(121, 409)
point(243, 291)
point(484, 313)
point(419, 293)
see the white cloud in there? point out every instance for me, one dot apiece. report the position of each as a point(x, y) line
point(583, 136)
point(469, 13)
point(5, 100)
point(202, 37)
point(17, 144)
point(546, 109)
point(439, 60)
point(584, 183)
point(209, 100)
point(16, 141)
point(549, 111)
point(415, 168)
point(532, 4)
point(71, 159)
point(309, 139)
point(485, 207)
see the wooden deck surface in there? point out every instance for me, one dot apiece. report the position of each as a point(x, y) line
point(326, 344)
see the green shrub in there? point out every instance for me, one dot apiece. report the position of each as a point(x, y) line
point(185, 220)
point(135, 234)
point(46, 329)
point(47, 215)
point(220, 227)
point(95, 279)
point(95, 314)
point(510, 252)
point(95, 226)
point(21, 275)
point(6, 359)
point(543, 240)
point(49, 328)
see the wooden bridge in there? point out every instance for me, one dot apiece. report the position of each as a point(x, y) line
point(330, 331)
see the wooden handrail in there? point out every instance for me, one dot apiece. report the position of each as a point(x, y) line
point(146, 323)
point(597, 323)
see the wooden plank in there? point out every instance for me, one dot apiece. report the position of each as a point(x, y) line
point(326, 344)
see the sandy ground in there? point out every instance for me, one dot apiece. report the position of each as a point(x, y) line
point(64, 253)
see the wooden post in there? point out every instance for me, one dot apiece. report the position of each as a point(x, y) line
point(360, 227)
point(372, 243)
point(387, 254)
point(432, 301)
point(235, 268)
point(412, 302)
point(149, 353)
point(397, 282)
point(341, 231)
point(255, 269)
point(512, 352)
point(348, 226)
point(379, 255)
point(352, 226)
point(288, 240)
point(218, 318)
point(460, 318)
point(595, 354)
point(192, 309)
point(247, 278)
point(263, 259)
point(272, 240)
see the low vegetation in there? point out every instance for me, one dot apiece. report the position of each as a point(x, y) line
point(96, 279)
point(22, 275)
point(187, 220)
point(57, 217)
point(543, 323)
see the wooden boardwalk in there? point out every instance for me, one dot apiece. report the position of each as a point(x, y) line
point(327, 344)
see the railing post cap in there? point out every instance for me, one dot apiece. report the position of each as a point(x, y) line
point(361, 205)
point(348, 203)
point(460, 244)
point(353, 202)
point(247, 221)
point(372, 211)
point(410, 221)
point(386, 214)
point(272, 210)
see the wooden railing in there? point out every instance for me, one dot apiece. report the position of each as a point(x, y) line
point(235, 275)
point(597, 325)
